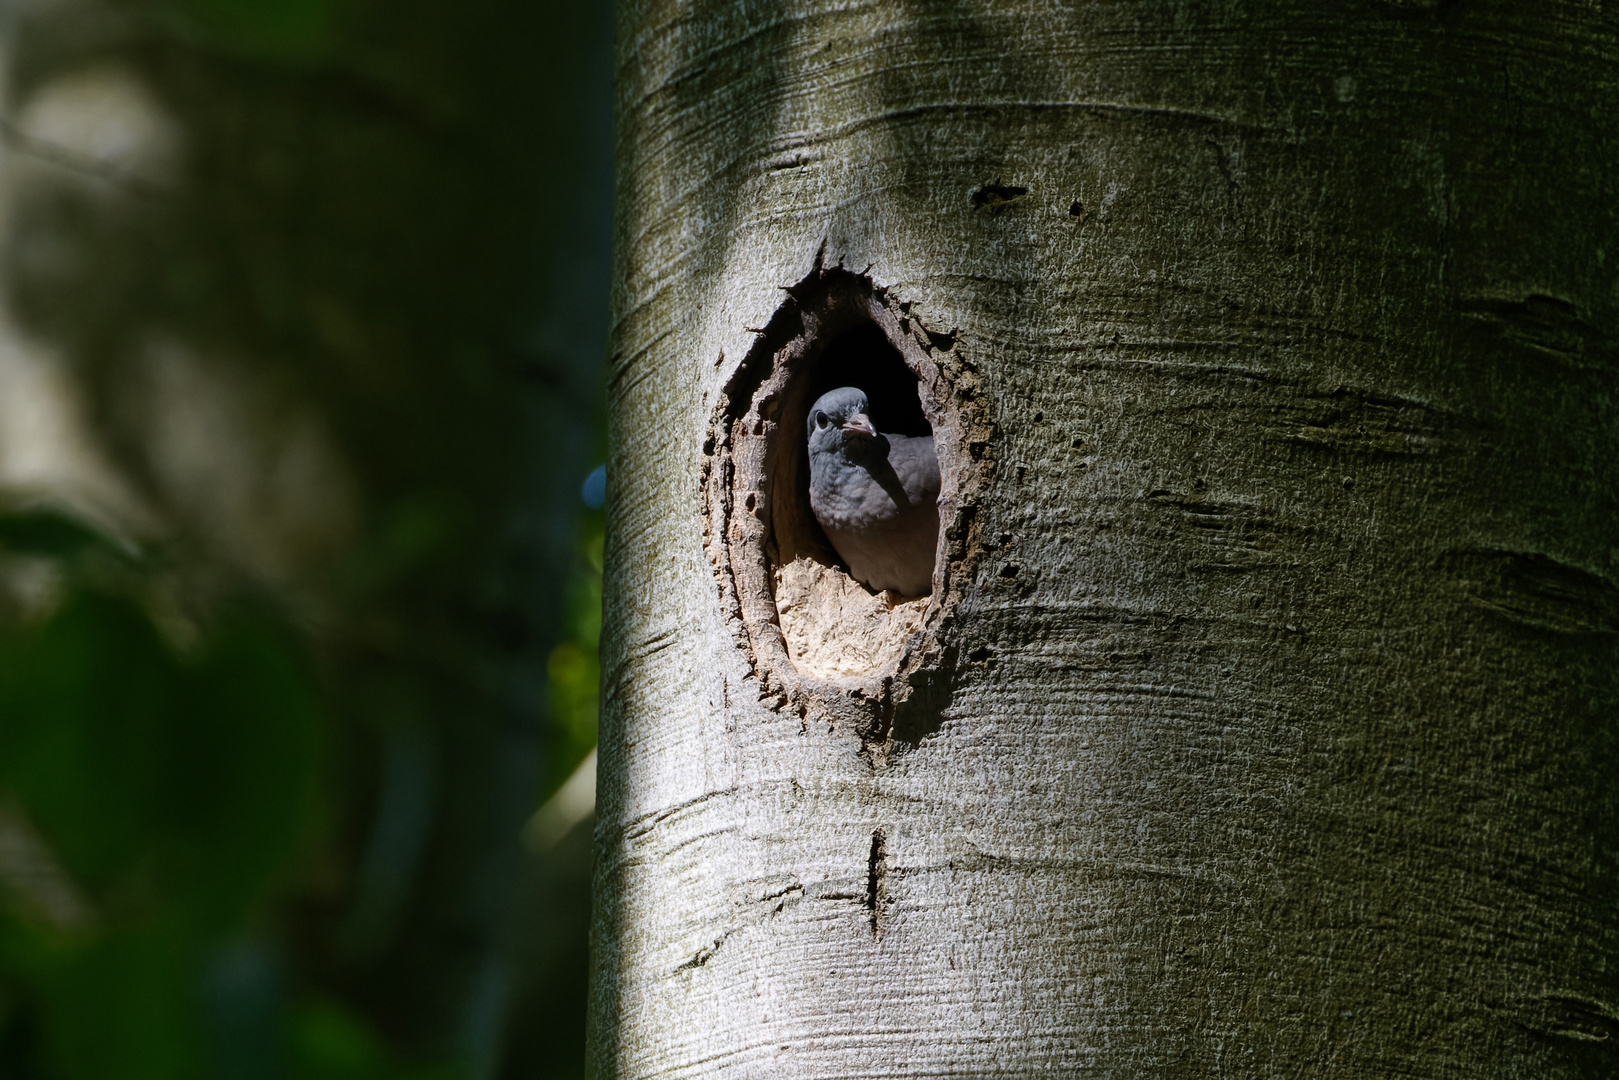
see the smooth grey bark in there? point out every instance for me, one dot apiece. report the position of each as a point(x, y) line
point(1262, 720)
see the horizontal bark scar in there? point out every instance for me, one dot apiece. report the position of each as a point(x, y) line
point(1549, 327)
point(1232, 536)
point(1562, 1015)
point(1350, 420)
point(757, 910)
point(1537, 591)
point(703, 955)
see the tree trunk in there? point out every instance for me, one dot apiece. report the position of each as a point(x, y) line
point(1261, 721)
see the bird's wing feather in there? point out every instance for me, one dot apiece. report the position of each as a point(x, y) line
point(916, 464)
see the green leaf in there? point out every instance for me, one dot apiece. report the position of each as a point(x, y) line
point(290, 29)
point(331, 1043)
point(410, 536)
point(49, 533)
point(241, 762)
point(84, 703)
point(124, 1007)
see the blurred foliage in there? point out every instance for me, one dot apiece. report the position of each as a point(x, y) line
point(286, 28)
point(574, 668)
point(160, 791)
point(166, 789)
point(267, 741)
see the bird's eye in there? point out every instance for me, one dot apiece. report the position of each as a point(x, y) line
point(821, 420)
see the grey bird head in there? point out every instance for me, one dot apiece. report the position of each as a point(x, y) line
point(838, 421)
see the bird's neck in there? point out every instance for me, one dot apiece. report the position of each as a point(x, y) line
point(861, 451)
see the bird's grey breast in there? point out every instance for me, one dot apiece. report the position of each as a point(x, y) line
point(879, 507)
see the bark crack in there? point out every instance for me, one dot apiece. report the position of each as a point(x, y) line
point(876, 877)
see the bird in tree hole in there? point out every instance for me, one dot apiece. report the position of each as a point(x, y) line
point(875, 495)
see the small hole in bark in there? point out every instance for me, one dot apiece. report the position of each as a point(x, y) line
point(998, 196)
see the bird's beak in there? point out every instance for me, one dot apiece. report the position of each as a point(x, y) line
point(860, 424)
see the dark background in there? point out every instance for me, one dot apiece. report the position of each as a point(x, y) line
point(302, 315)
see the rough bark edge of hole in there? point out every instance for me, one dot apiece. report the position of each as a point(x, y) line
point(893, 707)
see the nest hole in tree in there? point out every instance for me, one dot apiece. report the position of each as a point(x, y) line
point(806, 619)
point(834, 626)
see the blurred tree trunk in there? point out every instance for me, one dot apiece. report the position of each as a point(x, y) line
point(1264, 720)
point(287, 297)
